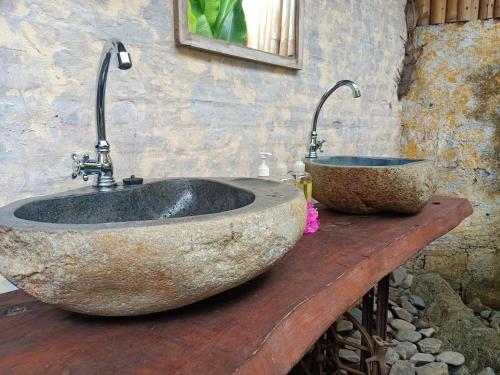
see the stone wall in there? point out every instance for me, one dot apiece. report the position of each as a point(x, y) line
point(452, 115)
point(180, 112)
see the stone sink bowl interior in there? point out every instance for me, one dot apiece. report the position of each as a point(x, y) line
point(366, 185)
point(162, 200)
point(148, 248)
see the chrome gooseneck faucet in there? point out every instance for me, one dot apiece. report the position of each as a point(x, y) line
point(102, 165)
point(314, 145)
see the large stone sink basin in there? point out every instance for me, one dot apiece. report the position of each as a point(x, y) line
point(365, 185)
point(148, 248)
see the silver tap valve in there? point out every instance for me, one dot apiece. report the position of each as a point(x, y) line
point(319, 145)
point(80, 165)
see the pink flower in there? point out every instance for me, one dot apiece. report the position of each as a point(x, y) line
point(312, 224)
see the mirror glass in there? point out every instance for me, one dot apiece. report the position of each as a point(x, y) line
point(263, 25)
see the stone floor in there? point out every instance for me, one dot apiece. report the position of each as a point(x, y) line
point(416, 350)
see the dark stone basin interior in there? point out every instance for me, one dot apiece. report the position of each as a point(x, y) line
point(152, 201)
point(359, 161)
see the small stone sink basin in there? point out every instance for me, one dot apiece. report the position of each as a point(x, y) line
point(148, 248)
point(365, 185)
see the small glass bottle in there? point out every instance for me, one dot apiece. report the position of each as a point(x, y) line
point(263, 170)
point(300, 178)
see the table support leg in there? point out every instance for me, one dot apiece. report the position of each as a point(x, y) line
point(367, 322)
point(382, 306)
point(373, 333)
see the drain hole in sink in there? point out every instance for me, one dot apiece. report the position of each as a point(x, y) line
point(436, 202)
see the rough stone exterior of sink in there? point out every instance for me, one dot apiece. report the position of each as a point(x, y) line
point(366, 190)
point(133, 268)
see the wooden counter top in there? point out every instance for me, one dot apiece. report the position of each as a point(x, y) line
point(262, 327)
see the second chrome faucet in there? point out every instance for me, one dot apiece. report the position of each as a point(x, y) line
point(102, 166)
point(314, 145)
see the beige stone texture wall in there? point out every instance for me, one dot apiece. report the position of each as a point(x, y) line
point(181, 112)
point(452, 115)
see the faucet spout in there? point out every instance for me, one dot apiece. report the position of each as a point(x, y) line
point(124, 63)
point(314, 145)
point(102, 166)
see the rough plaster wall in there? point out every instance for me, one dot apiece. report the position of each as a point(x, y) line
point(180, 112)
point(452, 115)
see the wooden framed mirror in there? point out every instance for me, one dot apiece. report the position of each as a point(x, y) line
point(267, 31)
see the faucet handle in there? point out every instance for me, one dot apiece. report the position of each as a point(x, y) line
point(319, 145)
point(77, 166)
point(85, 157)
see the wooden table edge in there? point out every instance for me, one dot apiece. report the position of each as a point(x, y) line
point(278, 352)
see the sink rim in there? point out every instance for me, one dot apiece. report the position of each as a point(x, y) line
point(261, 189)
point(409, 163)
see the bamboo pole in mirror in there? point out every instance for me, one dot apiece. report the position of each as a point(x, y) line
point(424, 11)
point(184, 38)
point(464, 10)
point(486, 9)
point(474, 15)
point(440, 11)
point(451, 11)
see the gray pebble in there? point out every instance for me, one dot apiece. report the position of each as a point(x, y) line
point(402, 314)
point(349, 355)
point(397, 276)
point(422, 324)
point(407, 335)
point(486, 371)
point(405, 293)
point(407, 282)
point(417, 301)
point(393, 294)
point(402, 368)
point(357, 314)
point(451, 358)
point(391, 356)
point(485, 314)
point(403, 298)
point(353, 340)
point(427, 332)
point(356, 335)
point(344, 326)
point(431, 345)
point(392, 303)
point(420, 359)
point(434, 368)
point(390, 317)
point(409, 307)
point(406, 349)
point(400, 324)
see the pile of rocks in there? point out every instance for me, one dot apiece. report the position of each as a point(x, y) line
point(416, 351)
point(489, 317)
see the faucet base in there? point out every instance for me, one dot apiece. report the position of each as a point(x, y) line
point(105, 182)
